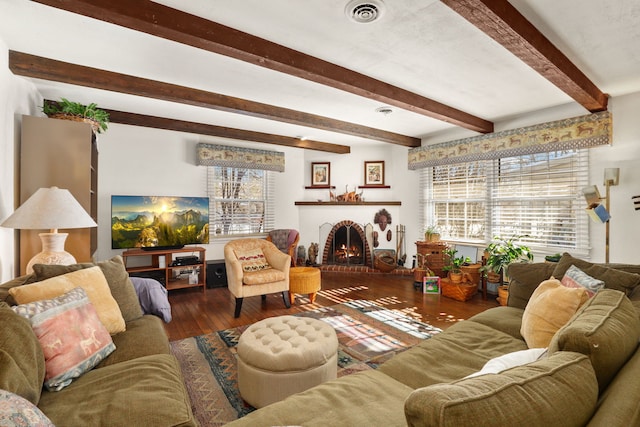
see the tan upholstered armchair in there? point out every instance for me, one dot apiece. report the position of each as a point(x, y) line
point(286, 240)
point(256, 267)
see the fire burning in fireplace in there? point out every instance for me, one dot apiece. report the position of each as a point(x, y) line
point(350, 255)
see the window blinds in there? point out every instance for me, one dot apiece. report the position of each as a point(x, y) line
point(537, 195)
point(239, 201)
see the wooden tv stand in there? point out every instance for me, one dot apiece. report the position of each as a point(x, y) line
point(158, 264)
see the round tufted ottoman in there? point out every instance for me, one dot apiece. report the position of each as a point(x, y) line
point(304, 280)
point(283, 355)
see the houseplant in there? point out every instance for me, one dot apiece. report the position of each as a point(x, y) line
point(432, 234)
point(499, 254)
point(68, 110)
point(454, 264)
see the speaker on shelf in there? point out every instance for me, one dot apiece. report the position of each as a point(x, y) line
point(216, 274)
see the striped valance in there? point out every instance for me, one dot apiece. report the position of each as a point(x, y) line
point(237, 157)
point(578, 132)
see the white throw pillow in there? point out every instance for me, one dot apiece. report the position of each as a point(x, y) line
point(510, 360)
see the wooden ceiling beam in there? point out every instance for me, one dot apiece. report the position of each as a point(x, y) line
point(27, 65)
point(503, 23)
point(172, 24)
point(126, 118)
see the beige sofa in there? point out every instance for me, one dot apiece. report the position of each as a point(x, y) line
point(588, 377)
point(138, 384)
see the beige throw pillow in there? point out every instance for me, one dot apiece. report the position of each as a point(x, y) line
point(92, 280)
point(252, 260)
point(550, 307)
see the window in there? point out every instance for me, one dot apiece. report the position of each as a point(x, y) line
point(239, 201)
point(538, 195)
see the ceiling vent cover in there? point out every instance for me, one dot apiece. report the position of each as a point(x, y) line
point(364, 12)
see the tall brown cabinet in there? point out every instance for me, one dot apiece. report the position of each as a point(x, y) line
point(64, 154)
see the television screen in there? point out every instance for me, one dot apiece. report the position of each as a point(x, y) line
point(149, 222)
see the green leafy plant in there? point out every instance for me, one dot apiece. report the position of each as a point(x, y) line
point(91, 112)
point(430, 232)
point(502, 252)
point(454, 263)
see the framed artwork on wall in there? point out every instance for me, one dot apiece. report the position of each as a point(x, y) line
point(320, 174)
point(374, 173)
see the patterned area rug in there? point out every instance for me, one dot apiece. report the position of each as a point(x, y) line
point(368, 334)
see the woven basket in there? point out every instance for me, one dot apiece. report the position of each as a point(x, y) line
point(95, 126)
point(458, 291)
point(385, 263)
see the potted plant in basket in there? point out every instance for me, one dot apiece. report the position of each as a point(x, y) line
point(499, 254)
point(454, 266)
point(68, 110)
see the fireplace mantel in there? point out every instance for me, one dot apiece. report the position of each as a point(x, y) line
point(365, 203)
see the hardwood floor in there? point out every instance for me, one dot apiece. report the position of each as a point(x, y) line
point(196, 313)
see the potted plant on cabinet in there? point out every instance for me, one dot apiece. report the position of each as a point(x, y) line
point(499, 254)
point(68, 110)
point(432, 234)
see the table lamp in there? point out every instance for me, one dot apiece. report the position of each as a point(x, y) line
point(50, 208)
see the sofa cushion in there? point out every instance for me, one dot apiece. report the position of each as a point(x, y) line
point(367, 398)
point(504, 319)
point(613, 278)
point(71, 336)
point(606, 329)
point(550, 307)
point(145, 336)
point(562, 387)
point(5, 296)
point(117, 278)
point(473, 344)
point(524, 278)
point(16, 411)
point(92, 280)
point(576, 278)
point(21, 359)
point(147, 391)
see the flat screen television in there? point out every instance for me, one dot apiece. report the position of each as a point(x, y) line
point(158, 222)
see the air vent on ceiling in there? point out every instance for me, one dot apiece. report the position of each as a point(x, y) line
point(364, 12)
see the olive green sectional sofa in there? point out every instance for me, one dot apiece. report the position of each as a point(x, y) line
point(137, 384)
point(589, 374)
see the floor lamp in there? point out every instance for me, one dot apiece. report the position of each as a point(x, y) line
point(596, 210)
point(50, 208)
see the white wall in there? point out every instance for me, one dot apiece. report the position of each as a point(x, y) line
point(17, 97)
point(140, 161)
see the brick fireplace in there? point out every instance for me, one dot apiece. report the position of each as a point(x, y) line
point(347, 245)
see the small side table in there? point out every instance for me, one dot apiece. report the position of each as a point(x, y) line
point(304, 280)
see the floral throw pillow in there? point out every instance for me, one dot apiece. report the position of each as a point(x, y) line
point(16, 411)
point(72, 337)
point(576, 278)
point(252, 260)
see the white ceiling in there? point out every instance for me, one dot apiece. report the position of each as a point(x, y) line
point(418, 45)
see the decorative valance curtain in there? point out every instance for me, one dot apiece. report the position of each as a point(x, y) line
point(237, 157)
point(577, 132)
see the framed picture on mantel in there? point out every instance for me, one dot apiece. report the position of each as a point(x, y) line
point(320, 174)
point(374, 173)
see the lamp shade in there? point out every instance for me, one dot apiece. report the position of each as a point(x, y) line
point(50, 208)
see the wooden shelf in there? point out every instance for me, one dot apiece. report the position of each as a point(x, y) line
point(365, 203)
point(160, 262)
point(320, 187)
point(374, 186)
